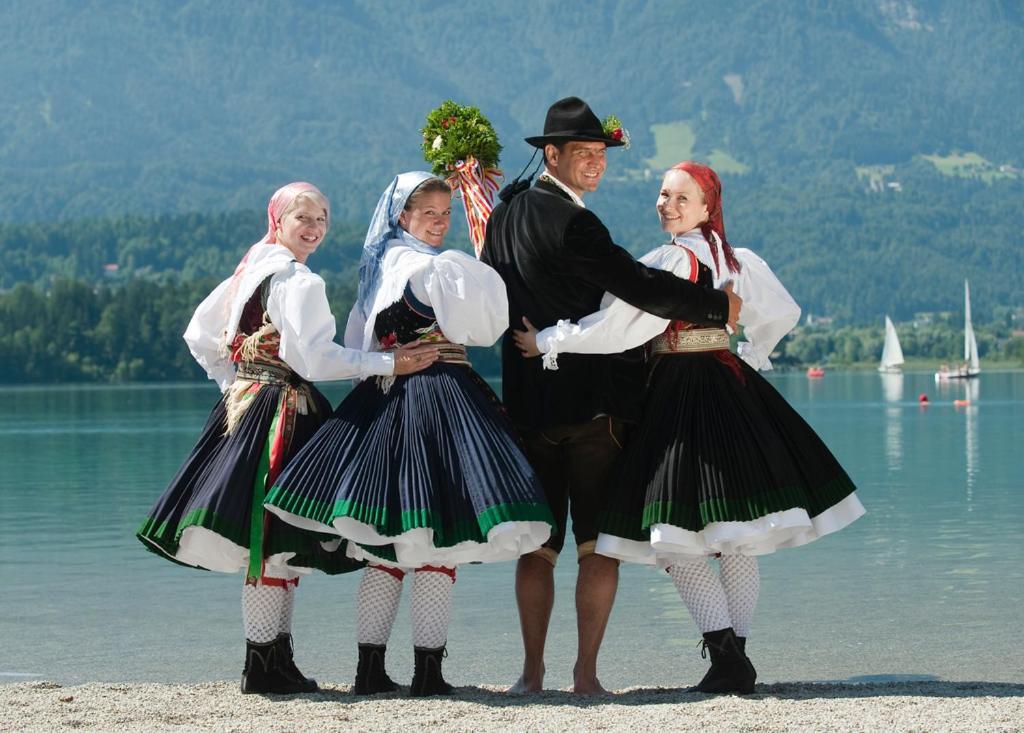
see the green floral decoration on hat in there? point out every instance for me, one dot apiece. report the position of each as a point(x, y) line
point(613, 128)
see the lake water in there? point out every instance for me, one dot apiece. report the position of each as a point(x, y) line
point(930, 584)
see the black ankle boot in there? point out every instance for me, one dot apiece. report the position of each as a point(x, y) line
point(741, 642)
point(371, 677)
point(287, 652)
point(426, 677)
point(730, 671)
point(265, 670)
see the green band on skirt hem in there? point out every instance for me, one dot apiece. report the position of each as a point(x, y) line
point(389, 526)
point(695, 518)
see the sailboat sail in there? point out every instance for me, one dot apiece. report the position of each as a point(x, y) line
point(970, 342)
point(971, 367)
point(892, 353)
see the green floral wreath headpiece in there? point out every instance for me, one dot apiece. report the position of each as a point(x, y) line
point(454, 133)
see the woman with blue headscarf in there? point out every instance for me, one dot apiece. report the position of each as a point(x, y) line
point(420, 473)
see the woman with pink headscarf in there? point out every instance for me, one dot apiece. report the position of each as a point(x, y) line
point(263, 335)
point(720, 465)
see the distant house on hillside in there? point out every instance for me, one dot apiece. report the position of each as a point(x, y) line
point(876, 176)
point(927, 318)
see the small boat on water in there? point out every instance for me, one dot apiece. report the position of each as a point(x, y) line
point(892, 353)
point(970, 367)
point(815, 372)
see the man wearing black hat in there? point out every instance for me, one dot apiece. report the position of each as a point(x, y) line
point(557, 260)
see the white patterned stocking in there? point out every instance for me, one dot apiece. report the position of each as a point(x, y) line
point(431, 607)
point(287, 609)
point(261, 611)
point(702, 592)
point(379, 593)
point(741, 579)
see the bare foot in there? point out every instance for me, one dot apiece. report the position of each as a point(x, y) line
point(589, 686)
point(527, 684)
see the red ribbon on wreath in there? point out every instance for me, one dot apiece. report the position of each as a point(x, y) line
point(478, 186)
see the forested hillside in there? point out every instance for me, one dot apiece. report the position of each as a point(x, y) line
point(161, 106)
point(843, 252)
point(124, 105)
point(871, 150)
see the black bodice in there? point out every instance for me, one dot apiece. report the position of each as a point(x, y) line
point(254, 313)
point(406, 320)
point(704, 276)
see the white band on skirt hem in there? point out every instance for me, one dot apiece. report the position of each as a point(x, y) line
point(415, 548)
point(789, 528)
point(203, 548)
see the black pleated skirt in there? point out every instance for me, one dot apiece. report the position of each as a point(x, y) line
point(428, 473)
point(721, 463)
point(205, 516)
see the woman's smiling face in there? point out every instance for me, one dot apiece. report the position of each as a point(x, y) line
point(680, 205)
point(429, 217)
point(303, 228)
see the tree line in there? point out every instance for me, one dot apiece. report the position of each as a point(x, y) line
point(77, 331)
point(843, 252)
point(930, 342)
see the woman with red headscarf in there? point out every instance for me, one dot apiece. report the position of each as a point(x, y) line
point(720, 465)
point(263, 335)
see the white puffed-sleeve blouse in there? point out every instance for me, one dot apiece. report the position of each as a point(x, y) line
point(296, 305)
point(768, 312)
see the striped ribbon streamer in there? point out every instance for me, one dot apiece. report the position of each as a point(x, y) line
point(478, 186)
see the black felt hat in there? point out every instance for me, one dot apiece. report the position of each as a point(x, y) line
point(572, 119)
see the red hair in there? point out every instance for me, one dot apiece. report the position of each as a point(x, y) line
point(711, 187)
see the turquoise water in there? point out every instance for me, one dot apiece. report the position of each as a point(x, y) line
point(929, 584)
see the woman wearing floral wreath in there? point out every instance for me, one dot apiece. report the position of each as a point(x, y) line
point(262, 335)
point(721, 464)
point(423, 472)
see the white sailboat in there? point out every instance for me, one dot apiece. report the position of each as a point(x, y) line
point(892, 354)
point(970, 367)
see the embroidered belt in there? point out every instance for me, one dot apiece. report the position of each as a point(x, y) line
point(297, 396)
point(447, 352)
point(268, 373)
point(452, 354)
point(696, 339)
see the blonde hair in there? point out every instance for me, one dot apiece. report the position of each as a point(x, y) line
point(317, 198)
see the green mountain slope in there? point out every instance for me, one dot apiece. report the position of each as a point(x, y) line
point(152, 108)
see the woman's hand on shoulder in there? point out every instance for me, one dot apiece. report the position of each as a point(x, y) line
point(526, 340)
point(413, 358)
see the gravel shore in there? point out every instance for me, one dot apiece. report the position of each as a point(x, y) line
point(218, 706)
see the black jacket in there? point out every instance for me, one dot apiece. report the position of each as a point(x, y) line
point(557, 261)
